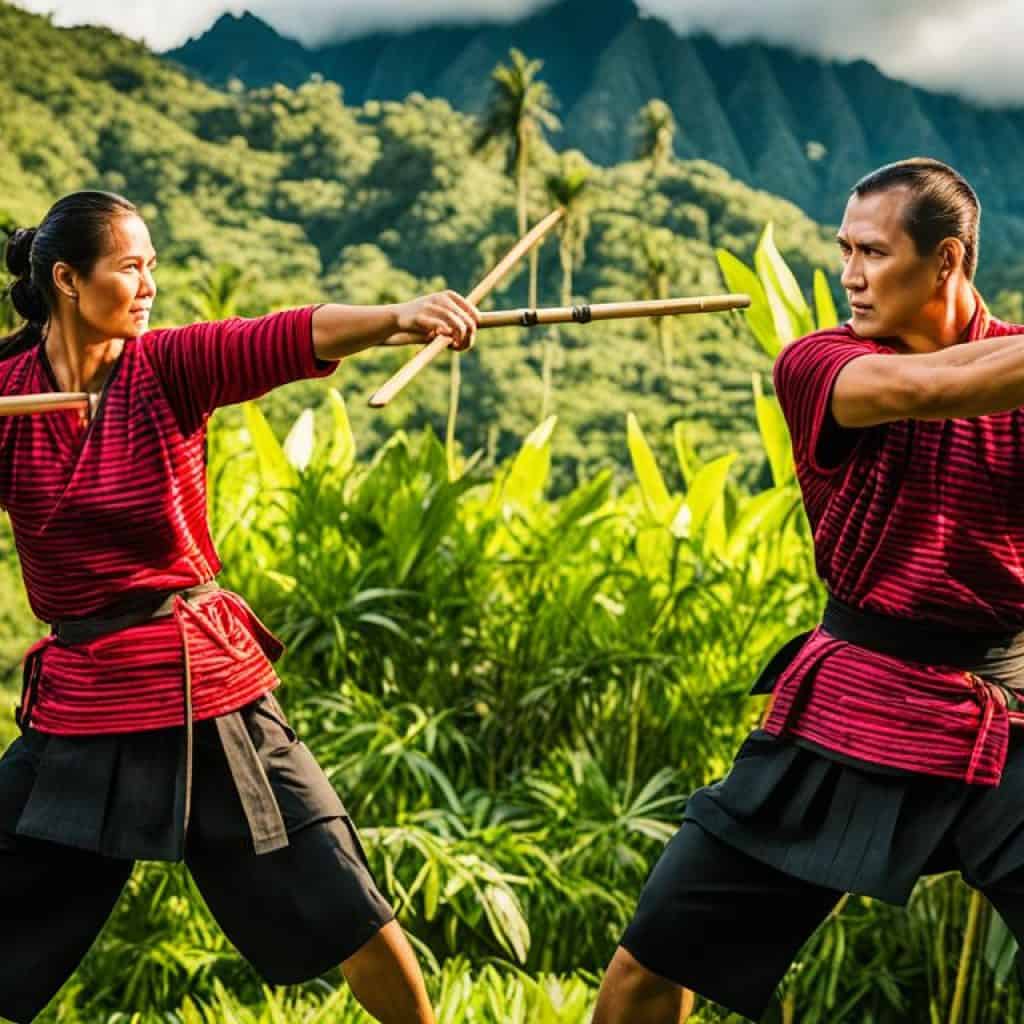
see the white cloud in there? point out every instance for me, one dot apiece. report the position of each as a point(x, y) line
point(974, 49)
point(314, 20)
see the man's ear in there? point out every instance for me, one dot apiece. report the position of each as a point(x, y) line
point(951, 258)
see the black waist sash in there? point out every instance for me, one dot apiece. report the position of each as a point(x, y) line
point(995, 656)
point(259, 804)
point(134, 611)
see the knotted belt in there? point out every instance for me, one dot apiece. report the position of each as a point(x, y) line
point(259, 804)
point(992, 662)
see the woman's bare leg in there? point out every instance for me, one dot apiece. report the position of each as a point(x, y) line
point(386, 979)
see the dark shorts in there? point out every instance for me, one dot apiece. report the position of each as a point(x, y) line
point(293, 913)
point(765, 855)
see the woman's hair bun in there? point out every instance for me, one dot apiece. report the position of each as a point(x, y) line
point(29, 301)
point(19, 250)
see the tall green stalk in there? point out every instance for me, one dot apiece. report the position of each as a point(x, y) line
point(454, 386)
point(966, 955)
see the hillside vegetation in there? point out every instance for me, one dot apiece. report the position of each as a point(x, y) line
point(797, 126)
point(313, 199)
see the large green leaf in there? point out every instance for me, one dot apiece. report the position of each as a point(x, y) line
point(342, 450)
point(740, 278)
point(823, 301)
point(689, 463)
point(275, 469)
point(762, 517)
point(789, 309)
point(774, 434)
point(656, 496)
point(298, 445)
point(528, 476)
point(1000, 949)
point(707, 492)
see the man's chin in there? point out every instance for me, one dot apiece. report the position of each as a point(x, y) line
point(866, 323)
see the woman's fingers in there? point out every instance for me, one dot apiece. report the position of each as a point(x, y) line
point(443, 313)
point(455, 317)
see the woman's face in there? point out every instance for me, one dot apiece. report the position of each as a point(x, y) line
point(114, 300)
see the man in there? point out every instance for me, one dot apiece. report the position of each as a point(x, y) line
point(889, 751)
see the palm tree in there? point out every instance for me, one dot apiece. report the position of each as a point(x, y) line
point(659, 264)
point(567, 188)
point(217, 291)
point(656, 128)
point(520, 110)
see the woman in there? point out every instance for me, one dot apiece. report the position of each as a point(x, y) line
point(148, 729)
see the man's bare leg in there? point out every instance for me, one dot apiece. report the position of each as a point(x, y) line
point(385, 977)
point(631, 994)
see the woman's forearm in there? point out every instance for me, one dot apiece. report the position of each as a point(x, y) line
point(340, 331)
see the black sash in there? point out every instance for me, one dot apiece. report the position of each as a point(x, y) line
point(996, 656)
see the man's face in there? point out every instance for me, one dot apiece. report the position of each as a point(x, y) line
point(887, 281)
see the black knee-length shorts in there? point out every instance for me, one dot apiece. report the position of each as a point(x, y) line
point(293, 913)
point(764, 856)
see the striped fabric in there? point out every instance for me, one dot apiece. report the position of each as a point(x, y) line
point(915, 519)
point(119, 506)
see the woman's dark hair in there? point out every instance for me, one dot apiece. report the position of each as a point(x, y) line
point(942, 204)
point(75, 231)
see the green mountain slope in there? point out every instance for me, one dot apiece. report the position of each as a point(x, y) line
point(315, 199)
point(803, 128)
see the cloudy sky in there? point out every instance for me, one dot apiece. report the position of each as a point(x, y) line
point(971, 47)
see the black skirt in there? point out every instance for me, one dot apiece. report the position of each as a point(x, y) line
point(265, 837)
point(851, 827)
point(250, 782)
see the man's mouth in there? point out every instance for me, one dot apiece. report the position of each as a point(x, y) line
point(860, 307)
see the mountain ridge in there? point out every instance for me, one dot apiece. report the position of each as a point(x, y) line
point(763, 112)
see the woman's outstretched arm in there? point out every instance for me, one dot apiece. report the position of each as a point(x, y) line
point(340, 331)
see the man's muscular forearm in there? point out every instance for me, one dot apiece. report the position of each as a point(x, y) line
point(975, 379)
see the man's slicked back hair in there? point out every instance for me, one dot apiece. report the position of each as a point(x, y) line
point(942, 204)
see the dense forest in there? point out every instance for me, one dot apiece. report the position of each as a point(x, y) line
point(276, 196)
point(795, 125)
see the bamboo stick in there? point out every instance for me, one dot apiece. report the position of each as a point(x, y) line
point(16, 405)
point(431, 351)
point(612, 311)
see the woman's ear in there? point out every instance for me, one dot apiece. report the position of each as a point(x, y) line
point(64, 280)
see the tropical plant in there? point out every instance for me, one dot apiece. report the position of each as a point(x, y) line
point(656, 131)
point(520, 110)
point(567, 188)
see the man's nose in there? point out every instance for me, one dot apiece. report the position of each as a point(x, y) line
point(853, 274)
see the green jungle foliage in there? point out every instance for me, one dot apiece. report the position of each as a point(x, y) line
point(792, 124)
point(310, 199)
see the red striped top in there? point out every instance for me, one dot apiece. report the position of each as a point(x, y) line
point(916, 519)
point(120, 506)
